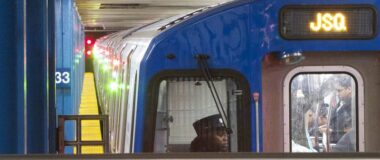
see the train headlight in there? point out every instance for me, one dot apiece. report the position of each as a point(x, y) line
point(290, 58)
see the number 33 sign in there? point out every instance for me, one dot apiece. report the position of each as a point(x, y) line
point(63, 77)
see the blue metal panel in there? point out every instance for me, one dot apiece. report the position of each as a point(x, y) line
point(59, 51)
point(70, 45)
point(8, 84)
point(64, 52)
point(51, 87)
point(65, 59)
point(241, 33)
point(27, 60)
point(37, 76)
point(21, 79)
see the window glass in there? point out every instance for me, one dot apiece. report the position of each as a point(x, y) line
point(188, 120)
point(323, 113)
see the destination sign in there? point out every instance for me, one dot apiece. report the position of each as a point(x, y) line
point(327, 22)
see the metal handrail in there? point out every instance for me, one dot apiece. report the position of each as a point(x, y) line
point(79, 143)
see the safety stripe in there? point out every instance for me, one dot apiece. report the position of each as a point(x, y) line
point(89, 106)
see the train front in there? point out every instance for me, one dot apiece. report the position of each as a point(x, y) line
point(260, 76)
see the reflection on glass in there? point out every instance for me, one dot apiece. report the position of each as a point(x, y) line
point(323, 117)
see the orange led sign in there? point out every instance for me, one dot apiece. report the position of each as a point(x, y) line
point(329, 22)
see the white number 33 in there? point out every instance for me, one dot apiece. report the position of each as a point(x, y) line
point(62, 77)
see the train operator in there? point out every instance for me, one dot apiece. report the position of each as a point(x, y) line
point(212, 135)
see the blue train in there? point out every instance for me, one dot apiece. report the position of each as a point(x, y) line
point(266, 76)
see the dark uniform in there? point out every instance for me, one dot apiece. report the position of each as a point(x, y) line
point(211, 135)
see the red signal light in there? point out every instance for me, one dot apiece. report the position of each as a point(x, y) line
point(89, 41)
point(89, 52)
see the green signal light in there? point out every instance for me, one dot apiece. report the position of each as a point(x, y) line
point(100, 61)
point(113, 86)
point(121, 86)
point(114, 74)
point(98, 56)
point(106, 68)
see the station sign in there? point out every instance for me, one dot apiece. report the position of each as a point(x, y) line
point(63, 77)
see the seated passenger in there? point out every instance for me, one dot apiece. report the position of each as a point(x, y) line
point(212, 135)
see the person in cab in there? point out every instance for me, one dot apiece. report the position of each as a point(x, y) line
point(212, 135)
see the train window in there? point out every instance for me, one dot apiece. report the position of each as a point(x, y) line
point(187, 118)
point(323, 115)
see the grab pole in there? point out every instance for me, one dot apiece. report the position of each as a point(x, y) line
point(256, 96)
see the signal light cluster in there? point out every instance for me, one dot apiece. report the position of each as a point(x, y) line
point(89, 45)
point(108, 64)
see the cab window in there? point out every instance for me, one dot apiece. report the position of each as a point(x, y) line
point(187, 118)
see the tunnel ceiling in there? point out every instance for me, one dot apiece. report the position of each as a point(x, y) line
point(113, 15)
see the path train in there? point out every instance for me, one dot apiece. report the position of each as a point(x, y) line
point(285, 76)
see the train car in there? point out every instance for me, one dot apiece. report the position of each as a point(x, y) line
point(266, 76)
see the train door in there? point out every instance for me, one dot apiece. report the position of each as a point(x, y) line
point(327, 103)
point(185, 110)
point(322, 111)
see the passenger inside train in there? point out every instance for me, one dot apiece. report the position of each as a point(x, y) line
point(322, 113)
point(341, 117)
